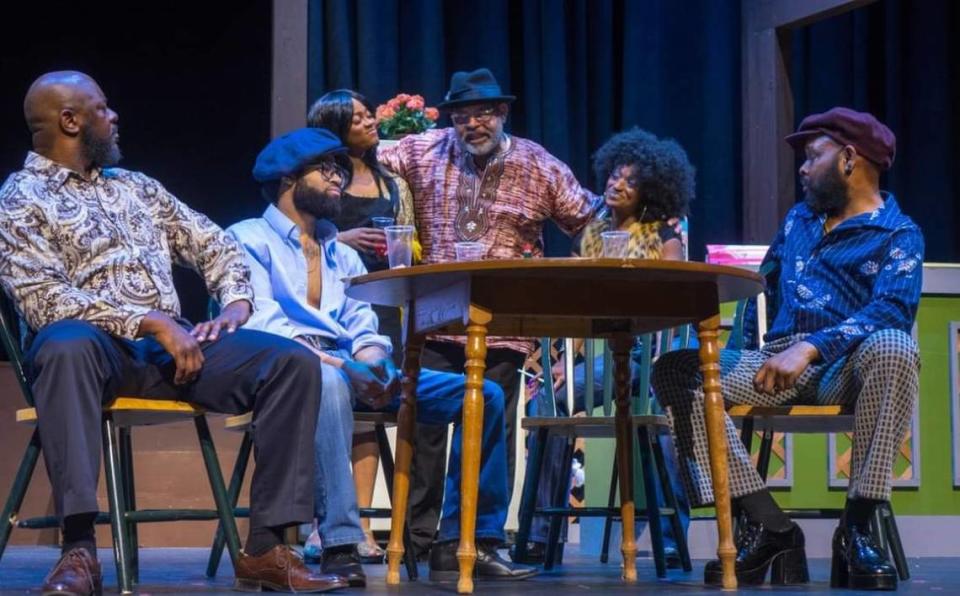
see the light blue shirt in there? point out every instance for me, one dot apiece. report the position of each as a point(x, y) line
point(279, 278)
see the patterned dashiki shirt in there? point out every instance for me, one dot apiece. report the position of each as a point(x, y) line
point(504, 206)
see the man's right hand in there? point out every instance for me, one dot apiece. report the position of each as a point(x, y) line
point(178, 342)
point(367, 386)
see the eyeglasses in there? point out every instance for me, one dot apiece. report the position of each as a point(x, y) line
point(330, 170)
point(483, 116)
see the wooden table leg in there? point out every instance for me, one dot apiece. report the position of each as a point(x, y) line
point(620, 346)
point(717, 444)
point(406, 423)
point(476, 352)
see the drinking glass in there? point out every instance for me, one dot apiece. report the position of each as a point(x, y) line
point(470, 251)
point(615, 244)
point(381, 223)
point(399, 245)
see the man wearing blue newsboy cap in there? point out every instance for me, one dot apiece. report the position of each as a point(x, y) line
point(298, 268)
point(289, 153)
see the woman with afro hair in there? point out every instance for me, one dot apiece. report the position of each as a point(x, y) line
point(649, 183)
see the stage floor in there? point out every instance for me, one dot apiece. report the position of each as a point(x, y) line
point(180, 570)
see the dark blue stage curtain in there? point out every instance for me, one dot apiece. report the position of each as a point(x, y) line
point(583, 69)
point(899, 60)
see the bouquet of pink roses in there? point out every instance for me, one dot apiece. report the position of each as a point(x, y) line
point(405, 114)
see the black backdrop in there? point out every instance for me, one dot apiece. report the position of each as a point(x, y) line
point(583, 69)
point(191, 82)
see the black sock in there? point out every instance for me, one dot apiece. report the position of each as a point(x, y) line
point(262, 539)
point(761, 508)
point(78, 532)
point(858, 511)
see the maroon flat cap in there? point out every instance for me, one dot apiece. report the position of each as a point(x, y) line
point(870, 137)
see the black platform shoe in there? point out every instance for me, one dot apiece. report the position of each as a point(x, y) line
point(758, 548)
point(858, 562)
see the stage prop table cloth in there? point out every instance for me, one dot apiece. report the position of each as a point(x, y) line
point(614, 299)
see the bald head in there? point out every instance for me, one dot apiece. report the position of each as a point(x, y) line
point(67, 115)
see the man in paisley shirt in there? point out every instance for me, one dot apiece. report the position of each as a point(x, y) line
point(474, 182)
point(86, 251)
point(843, 294)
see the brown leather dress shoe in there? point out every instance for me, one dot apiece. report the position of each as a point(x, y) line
point(282, 570)
point(76, 573)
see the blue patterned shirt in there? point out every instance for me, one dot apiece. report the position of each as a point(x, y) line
point(279, 277)
point(863, 276)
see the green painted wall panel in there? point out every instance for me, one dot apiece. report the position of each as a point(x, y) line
point(935, 496)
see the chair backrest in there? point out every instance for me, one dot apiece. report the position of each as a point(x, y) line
point(11, 333)
point(736, 340)
point(641, 403)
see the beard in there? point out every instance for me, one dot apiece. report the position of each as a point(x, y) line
point(828, 194)
point(100, 152)
point(485, 148)
point(488, 146)
point(322, 204)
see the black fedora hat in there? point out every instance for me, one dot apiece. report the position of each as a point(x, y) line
point(478, 86)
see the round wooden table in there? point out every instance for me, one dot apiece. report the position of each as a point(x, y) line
point(614, 299)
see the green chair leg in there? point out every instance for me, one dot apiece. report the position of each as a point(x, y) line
point(130, 500)
point(671, 500)
point(559, 499)
point(889, 526)
point(608, 520)
point(20, 483)
point(528, 500)
point(233, 494)
point(224, 506)
point(111, 459)
point(653, 507)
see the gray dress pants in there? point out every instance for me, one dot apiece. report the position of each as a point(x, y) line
point(76, 368)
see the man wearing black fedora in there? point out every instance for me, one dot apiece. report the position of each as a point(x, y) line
point(474, 182)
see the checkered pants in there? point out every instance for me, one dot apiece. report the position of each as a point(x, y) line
point(881, 376)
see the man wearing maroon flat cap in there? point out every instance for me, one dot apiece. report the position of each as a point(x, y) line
point(843, 291)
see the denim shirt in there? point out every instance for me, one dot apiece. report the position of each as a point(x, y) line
point(837, 288)
point(279, 277)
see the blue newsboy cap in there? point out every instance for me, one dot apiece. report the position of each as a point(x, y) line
point(288, 153)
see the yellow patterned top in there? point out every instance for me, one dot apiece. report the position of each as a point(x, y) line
point(645, 239)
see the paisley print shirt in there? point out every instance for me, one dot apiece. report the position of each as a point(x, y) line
point(101, 250)
point(839, 287)
point(503, 207)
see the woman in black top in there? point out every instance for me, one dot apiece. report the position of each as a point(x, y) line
point(372, 192)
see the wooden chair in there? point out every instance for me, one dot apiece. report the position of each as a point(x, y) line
point(363, 422)
point(651, 458)
point(804, 419)
point(120, 416)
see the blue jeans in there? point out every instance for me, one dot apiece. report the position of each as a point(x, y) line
point(554, 469)
point(439, 401)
